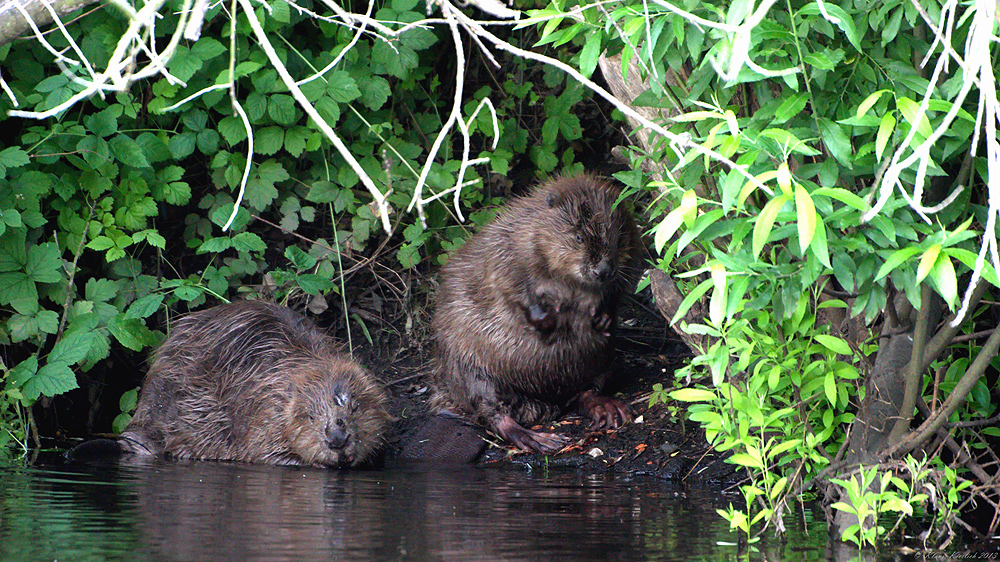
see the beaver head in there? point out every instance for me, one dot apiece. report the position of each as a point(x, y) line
point(335, 416)
point(588, 238)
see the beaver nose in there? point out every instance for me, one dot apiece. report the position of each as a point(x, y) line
point(337, 435)
point(604, 270)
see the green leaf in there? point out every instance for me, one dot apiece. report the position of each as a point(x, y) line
point(299, 258)
point(24, 326)
point(127, 151)
point(842, 195)
point(969, 260)
point(690, 299)
point(819, 244)
point(232, 129)
point(44, 264)
point(208, 141)
point(789, 142)
point(182, 145)
point(104, 123)
point(71, 349)
point(18, 289)
point(215, 245)
point(841, 20)
point(746, 460)
point(129, 400)
point(248, 242)
point(341, 87)
point(820, 60)
point(836, 140)
point(152, 237)
point(207, 48)
point(100, 290)
point(131, 332)
point(589, 55)
point(145, 306)
point(408, 255)
point(14, 157)
point(269, 140)
point(374, 91)
point(313, 284)
point(281, 108)
point(717, 302)
point(667, 227)
point(765, 222)
point(23, 371)
point(52, 379)
point(897, 258)
point(791, 107)
point(295, 140)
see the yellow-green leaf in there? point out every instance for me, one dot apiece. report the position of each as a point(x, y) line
point(784, 178)
point(765, 222)
point(943, 275)
point(927, 262)
point(693, 395)
point(689, 207)
point(667, 227)
point(869, 102)
point(805, 213)
point(885, 130)
point(830, 385)
point(911, 112)
point(746, 460)
point(717, 303)
point(834, 344)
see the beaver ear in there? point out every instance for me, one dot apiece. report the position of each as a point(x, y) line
point(553, 199)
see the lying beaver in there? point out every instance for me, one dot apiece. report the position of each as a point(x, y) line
point(256, 382)
point(525, 312)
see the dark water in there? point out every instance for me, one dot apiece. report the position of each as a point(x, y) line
point(215, 511)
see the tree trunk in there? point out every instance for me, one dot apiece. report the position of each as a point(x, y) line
point(13, 24)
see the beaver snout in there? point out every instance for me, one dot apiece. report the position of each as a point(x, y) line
point(337, 435)
point(604, 270)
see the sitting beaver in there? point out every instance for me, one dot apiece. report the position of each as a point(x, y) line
point(525, 312)
point(256, 382)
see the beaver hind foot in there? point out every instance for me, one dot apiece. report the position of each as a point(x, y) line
point(528, 440)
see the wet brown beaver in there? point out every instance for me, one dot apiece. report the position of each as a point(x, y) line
point(524, 316)
point(256, 382)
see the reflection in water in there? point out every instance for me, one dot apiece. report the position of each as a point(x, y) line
point(161, 510)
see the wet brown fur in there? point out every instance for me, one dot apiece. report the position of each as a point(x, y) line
point(524, 314)
point(256, 382)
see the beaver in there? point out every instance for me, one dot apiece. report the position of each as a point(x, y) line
point(524, 315)
point(256, 382)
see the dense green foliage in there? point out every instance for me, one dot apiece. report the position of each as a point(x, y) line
point(830, 93)
point(112, 212)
